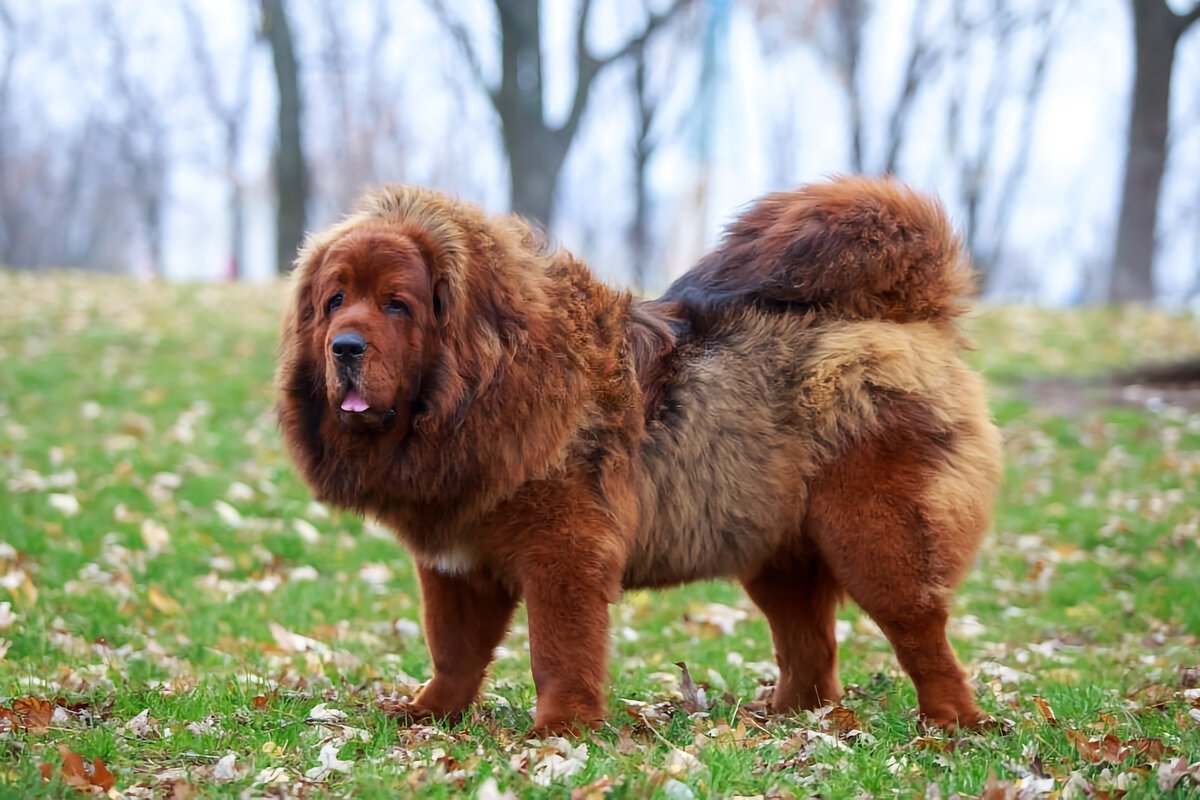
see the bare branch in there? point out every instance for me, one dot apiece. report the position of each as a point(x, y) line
point(589, 66)
point(1186, 20)
point(921, 59)
point(455, 28)
point(9, 26)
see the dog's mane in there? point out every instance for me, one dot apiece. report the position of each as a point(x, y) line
point(516, 306)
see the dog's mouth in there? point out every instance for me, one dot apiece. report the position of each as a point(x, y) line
point(354, 403)
point(357, 414)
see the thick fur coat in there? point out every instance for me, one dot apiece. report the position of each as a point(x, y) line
point(793, 414)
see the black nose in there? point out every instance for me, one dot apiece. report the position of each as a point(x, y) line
point(348, 346)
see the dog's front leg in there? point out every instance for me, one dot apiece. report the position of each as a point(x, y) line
point(567, 587)
point(465, 618)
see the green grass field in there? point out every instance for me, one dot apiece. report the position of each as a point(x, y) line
point(174, 605)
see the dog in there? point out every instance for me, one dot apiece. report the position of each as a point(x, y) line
point(793, 414)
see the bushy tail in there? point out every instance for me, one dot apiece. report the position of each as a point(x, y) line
point(854, 248)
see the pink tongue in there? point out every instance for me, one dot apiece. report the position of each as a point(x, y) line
point(354, 402)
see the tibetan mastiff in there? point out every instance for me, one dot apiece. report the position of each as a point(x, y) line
point(793, 414)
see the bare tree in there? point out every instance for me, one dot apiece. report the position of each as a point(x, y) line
point(988, 190)
point(230, 116)
point(923, 57)
point(643, 146)
point(840, 28)
point(364, 133)
point(1156, 32)
point(291, 169)
point(141, 137)
point(850, 20)
point(651, 129)
point(536, 148)
point(8, 26)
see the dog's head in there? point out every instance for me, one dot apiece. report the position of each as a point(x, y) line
point(377, 309)
point(365, 338)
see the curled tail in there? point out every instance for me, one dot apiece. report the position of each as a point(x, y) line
point(853, 248)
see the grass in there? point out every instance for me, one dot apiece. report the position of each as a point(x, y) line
point(158, 554)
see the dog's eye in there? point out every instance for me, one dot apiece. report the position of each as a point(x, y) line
point(334, 303)
point(396, 307)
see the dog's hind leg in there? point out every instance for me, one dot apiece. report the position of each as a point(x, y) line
point(799, 598)
point(898, 526)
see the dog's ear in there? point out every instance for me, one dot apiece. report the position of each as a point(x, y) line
point(430, 251)
point(441, 302)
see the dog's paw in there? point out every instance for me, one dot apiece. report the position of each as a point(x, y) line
point(975, 721)
point(409, 712)
point(570, 729)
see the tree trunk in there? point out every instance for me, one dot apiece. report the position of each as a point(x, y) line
point(291, 171)
point(1156, 31)
point(851, 16)
point(642, 148)
point(535, 157)
point(237, 230)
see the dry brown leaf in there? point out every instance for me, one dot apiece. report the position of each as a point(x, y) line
point(1087, 748)
point(1148, 750)
point(9, 721)
point(998, 790)
point(77, 774)
point(1044, 709)
point(34, 712)
point(594, 790)
point(694, 699)
point(1170, 773)
point(1112, 749)
point(163, 602)
point(844, 720)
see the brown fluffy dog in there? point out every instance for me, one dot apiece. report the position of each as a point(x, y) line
point(793, 414)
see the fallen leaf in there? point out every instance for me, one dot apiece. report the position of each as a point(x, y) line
point(294, 642)
point(154, 536)
point(322, 714)
point(694, 699)
point(1112, 749)
point(1148, 750)
point(681, 764)
point(998, 790)
point(76, 773)
point(1087, 747)
point(843, 719)
point(328, 762)
point(162, 602)
point(226, 769)
point(271, 775)
point(1170, 773)
point(556, 758)
point(7, 617)
point(34, 712)
point(594, 790)
point(65, 504)
point(722, 617)
point(1044, 709)
point(490, 790)
point(142, 726)
point(9, 721)
point(306, 531)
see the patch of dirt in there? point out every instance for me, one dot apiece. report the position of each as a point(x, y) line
point(1153, 387)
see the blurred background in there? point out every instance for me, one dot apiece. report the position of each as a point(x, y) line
point(199, 139)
